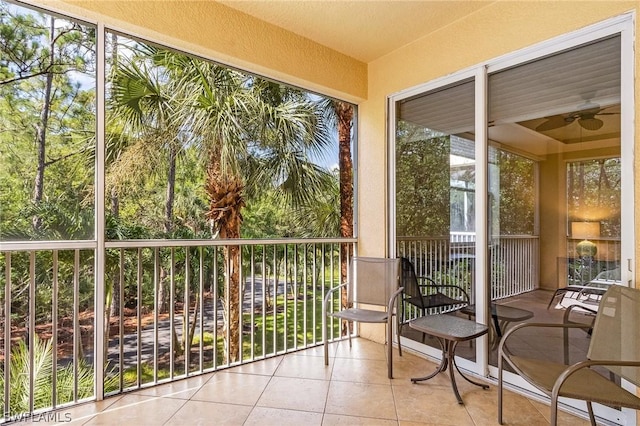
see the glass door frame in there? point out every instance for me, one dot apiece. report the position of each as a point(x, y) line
point(474, 74)
point(622, 25)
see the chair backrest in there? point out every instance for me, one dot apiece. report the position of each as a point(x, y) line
point(373, 280)
point(616, 332)
point(408, 279)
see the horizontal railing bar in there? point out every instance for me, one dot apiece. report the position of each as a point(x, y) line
point(46, 245)
point(515, 237)
point(226, 242)
point(503, 237)
point(84, 244)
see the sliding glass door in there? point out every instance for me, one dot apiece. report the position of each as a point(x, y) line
point(554, 191)
point(520, 208)
point(435, 190)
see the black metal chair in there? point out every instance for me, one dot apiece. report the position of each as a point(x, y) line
point(427, 295)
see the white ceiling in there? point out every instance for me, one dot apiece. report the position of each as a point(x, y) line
point(362, 29)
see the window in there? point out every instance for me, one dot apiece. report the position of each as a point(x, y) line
point(47, 126)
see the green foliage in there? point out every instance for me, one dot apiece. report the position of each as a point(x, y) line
point(166, 113)
point(26, 60)
point(517, 196)
point(43, 378)
point(206, 341)
point(422, 182)
point(44, 284)
point(130, 376)
point(261, 133)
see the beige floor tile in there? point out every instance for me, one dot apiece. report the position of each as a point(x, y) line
point(409, 366)
point(361, 371)
point(362, 349)
point(482, 406)
point(232, 388)
point(338, 420)
point(265, 367)
point(195, 413)
point(263, 416)
point(430, 403)
point(564, 418)
point(318, 351)
point(361, 400)
point(295, 394)
point(517, 411)
point(182, 389)
point(78, 414)
point(138, 409)
point(304, 367)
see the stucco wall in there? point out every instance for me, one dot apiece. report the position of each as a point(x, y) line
point(218, 32)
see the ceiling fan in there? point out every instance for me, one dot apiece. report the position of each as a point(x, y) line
point(585, 115)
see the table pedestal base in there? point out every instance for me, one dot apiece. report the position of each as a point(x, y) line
point(449, 361)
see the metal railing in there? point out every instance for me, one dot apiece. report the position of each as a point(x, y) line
point(171, 310)
point(513, 268)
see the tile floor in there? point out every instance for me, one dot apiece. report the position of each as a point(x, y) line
point(297, 389)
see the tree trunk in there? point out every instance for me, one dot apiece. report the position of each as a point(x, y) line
point(232, 296)
point(344, 113)
point(168, 226)
point(225, 205)
point(41, 131)
point(171, 189)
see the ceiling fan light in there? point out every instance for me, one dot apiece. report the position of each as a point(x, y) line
point(591, 123)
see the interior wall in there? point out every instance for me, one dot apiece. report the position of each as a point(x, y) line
point(552, 212)
point(230, 37)
point(498, 29)
point(553, 219)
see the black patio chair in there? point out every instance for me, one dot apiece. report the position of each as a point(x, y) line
point(427, 295)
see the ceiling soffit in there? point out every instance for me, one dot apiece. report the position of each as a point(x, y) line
point(364, 30)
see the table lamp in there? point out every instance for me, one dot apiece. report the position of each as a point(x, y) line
point(584, 231)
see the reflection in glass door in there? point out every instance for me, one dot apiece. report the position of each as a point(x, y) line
point(435, 193)
point(554, 195)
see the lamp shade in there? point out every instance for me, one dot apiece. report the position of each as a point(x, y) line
point(585, 230)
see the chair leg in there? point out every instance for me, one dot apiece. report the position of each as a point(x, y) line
point(555, 294)
point(398, 335)
point(325, 340)
point(424, 335)
point(389, 339)
point(499, 389)
point(554, 410)
point(592, 417)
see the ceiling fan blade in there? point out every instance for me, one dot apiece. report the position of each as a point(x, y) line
point(590, 123)
point(552, 123)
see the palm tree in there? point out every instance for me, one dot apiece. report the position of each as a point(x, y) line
point(253, 134)
point(257, 135)
point(142, 101)
point(340, 114)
